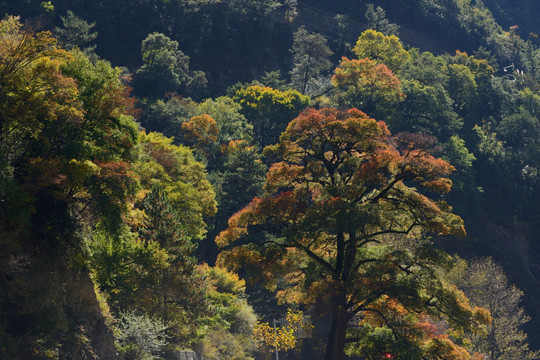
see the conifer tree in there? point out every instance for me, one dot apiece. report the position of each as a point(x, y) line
point(76, 32)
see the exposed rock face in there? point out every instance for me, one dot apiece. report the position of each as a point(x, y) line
point(49, 310)
point(82, 308)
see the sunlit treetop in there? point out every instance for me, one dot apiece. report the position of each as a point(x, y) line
point(381, 48)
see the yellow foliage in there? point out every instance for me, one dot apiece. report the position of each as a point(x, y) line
point(281, 338)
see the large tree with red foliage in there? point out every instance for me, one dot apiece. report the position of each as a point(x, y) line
point(345, 221)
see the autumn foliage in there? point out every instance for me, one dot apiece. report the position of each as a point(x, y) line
point(284, 337)
point(366, 84)
point(338, 206)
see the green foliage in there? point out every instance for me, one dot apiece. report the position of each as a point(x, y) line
point(165, 69)
point(76, 32)
point(383, 49)
point(227, 301)
point(366, 85)
point(153, 271)
point(140, 337)
point(424, 67)
point(231, 123)
point(511, 143)
point(377, 341)
point(223, 345)
point(461, 87)
point(426, 109)
point(457, 154)
point(240, 179)
point(376, 20)
point(310, 60)
point(68, 126)
point(232, 318)
point(47, 6)
point(163, 226)
point(269, 110)
point(106, 140)
point(67, 145)
point(167, 116)
point(274, 80)
point(183, 178)
point(114, 262)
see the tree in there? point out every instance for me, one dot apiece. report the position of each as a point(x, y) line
point(310, 59)
point(76, 32)
point(150, 267)
point(284, 337)
point(269, 110)
point(273, 79)
point(241, 178)
point(227, 333)
point(383, 49)
point(391, 331)
point(457, 154)
point(183, 178)
point(201, 133)
point(141, 337)
point(486, 285)
point(68, 120)
point(66, 145)
point(175, 292)
point(237, 180)
point(290, 10)
point(342, 186)
point(231, 123)
point(425, 68)
point(461, 87)
point(376, 20)
point(364, 84)
point(512, 142)
point(167, 116)
point(426, 109)
point(165, 69)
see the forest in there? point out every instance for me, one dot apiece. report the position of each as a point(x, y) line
point(269, 179)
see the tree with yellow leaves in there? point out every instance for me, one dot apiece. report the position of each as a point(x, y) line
point(283, 337)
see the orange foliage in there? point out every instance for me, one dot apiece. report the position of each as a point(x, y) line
point(368, 78)
point(340, 184)
point(201, 131)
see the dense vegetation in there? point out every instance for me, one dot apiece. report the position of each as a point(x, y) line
point(167, 167)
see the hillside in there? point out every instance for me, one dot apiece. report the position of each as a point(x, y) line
point(192, 159)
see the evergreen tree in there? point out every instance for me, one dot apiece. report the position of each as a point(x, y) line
point(162, 225)
point(376, 20)
point(76, 32)
point(311, 59)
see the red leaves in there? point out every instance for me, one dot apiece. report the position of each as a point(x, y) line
point(282, 175)
point(113, 169)
point(334, 160)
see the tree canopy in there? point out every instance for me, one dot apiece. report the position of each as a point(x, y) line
point(342, 185)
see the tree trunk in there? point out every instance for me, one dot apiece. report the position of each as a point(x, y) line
point(336, 338)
